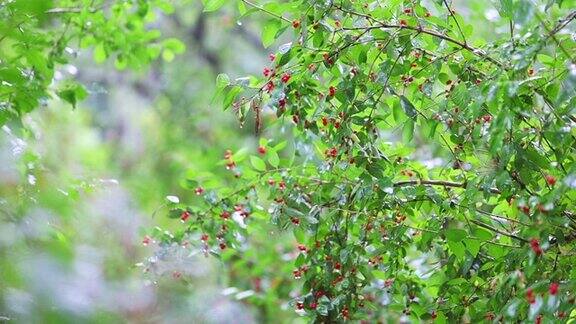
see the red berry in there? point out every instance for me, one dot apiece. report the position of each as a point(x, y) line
point(487, 118)
point(535, 245)
point(407, 11)
point(331, 91)
point(433, 315)
point(302, 247)
point(282, 103)
point(295, 221)
point(299, 305)
point(272, 57)
point(295, 119)
point(550, 180)
point(296, 24)
point(530, 297)
point(222, 246)
point(403, 22)
point(185, 215)
point(267, 72)
point(538, 319)
point(313, 305)
point(271, 181)
point(281, 185)
point(261, 150)
point(147, 240)
point(269, 87)
point(526, 210)
point(199, 191)
point(297, 274)
point(225, 215)
point(325, 121)
point(554, 288)
point(285, 77)
point(204, 237)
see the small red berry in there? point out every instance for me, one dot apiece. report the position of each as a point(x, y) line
point(147, 240)
point(407, 11)
point(296, 24)
point(487, 118)
point(313, 305)
point(295, 221)
point(325, 121)
point(525, 210)
point(185, 215)
point(538, 319)
point(269, 87)
point(271, 181)
point(225, 215)
point(331, 91)
point(282, 103)
point(299, 305)
point(285, 77)
point(302, 248)
point(433, 315)
point(204, 237)
point(550, 180)
point(261, 150)
point(267, 72)
point(295, 119)
point(272, 57)
point(530, 297)
point(199, 191)
point(535, 245)
point(222, 246)
point(554, 288)
point(403, 22)
point(281, 185)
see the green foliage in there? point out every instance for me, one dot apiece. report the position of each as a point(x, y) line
point(431, 173)
point(30, 52)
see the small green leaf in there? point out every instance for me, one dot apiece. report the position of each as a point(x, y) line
point(455, 235)
point(273, 159)
point(258, 163)
point(408, 131)
point(213, 5)
point(222, 81)
point(408, 107)
point(269, 32)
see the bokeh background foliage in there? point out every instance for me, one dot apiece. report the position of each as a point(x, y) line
point(113, 130)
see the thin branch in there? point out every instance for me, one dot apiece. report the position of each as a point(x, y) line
point(456, 21)
point(253, 5)
point(442, 183)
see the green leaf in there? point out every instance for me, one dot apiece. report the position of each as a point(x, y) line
point(222, 81)
point(269, 32)
point(473, 246)
point(408, 131)
point(100, 53)
point(458, 249)
point(258, 163)
point(273, 159)
point(456, 235)
point(213, 5)
point(72, 92)
point(408, 107)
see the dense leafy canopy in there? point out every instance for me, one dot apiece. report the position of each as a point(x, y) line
point(432, 173)
point(424, 171)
